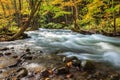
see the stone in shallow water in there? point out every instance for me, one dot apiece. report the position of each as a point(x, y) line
point(27, 50)
point(28, 57)
point(8, 53)
point(21, 72)
point(6, 62)
point(15, 56)
point(4, 49)
point(1, 54)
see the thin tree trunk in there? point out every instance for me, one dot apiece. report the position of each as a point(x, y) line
point(19, 12)
point(114, 21)
point(114, 18)
point(75, 15)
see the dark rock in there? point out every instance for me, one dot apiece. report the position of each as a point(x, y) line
point(23, 55)
point(77, 64)
point(15, 56)
point(1, 71)
point(1, 54)
point(62, 71)
point(12, 48)
point(8, 53)
point(41, 51)
point(88, 66)
point(25, 36)
point(27, 57)
point(45, 73)
point(27, 50)
point(4, 49)
point(22, 72)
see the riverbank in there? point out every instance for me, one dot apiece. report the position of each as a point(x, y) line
point(4, 37)
point(33, 65)
point(103, 32)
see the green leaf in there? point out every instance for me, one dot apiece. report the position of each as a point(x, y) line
point(61, 13)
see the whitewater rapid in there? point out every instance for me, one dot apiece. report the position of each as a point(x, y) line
point(91, 47)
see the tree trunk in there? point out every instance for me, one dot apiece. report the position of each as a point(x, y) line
point(75, 15)
point(114, 21)
point(114, 18)
point(19, 10)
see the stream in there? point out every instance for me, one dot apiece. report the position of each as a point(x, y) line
point(94, 47)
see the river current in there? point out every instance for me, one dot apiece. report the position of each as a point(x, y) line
point(94, 47)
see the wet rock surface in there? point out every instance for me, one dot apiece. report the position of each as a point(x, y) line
point(32, 65)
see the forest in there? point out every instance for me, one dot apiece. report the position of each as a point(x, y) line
point(84, 16)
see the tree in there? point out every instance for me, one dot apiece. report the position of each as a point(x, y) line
point(33, 11)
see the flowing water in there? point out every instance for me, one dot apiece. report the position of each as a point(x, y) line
point(92, 47)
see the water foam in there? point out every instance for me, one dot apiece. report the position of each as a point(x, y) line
point(112, 57)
